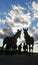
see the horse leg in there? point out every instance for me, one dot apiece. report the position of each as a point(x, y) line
point(29, 49)
point(3, 45)
point(7, 49)
point(32, 49)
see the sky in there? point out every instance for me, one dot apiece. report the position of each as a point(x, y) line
point(19, 14)
point(16, 14)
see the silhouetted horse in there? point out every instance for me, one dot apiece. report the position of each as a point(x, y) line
point(11, 41)
point(19, 48)
point(29, 40)
point(25, 47)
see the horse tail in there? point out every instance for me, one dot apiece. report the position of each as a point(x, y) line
point(4, 42)
point(32, 44)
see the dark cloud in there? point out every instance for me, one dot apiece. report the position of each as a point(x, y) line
point(7, 32)
point(35, 37)
point(16, 20)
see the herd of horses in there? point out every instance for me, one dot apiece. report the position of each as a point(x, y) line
point(11, 42)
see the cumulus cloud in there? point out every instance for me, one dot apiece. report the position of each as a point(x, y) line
point(37, 25)
point(35, 9)
point(32, 31)
point(2, 21)
point(17, 16)
point(1, 31)
point(5, 32)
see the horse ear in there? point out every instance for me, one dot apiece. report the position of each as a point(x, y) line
point(20, 30)
point(27, 28)
point(17, 29)
point(23, 29)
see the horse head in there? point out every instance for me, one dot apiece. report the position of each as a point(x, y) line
point(18, 33)
point(25, 31)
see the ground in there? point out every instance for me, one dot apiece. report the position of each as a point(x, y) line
point(18, 60)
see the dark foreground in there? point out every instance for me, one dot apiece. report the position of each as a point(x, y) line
point(18, 60)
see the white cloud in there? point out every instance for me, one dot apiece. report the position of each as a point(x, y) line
point(35, 9)
point(17, 17)
point(5, 32)
point(35, 6)
point(17, 8)
point(1, 31)
point(37, 25)
point(33, 32)
point(2, 21)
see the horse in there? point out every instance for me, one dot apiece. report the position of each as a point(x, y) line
point(11, 41)
point(19, 48)
point(29, 39)
point(25, 47)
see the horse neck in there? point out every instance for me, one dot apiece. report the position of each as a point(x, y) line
point(15, 36)
point(27, 36)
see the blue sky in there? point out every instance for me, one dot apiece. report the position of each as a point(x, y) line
point(23, 12)
point(30, 11)
point(5, 5)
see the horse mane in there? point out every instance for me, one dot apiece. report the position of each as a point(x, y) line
point(27, 36)
point(15, 35)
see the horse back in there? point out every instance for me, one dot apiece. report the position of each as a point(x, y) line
point(6, 40)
